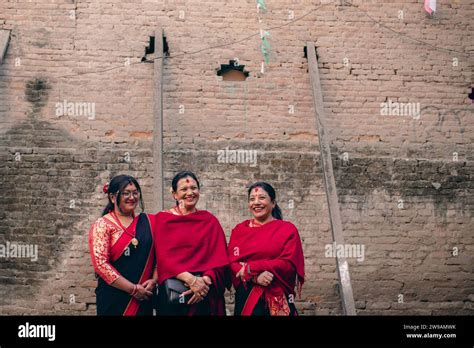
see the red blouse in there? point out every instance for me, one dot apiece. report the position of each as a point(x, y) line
point(103, 235)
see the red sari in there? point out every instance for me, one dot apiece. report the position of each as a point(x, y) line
point(274, 247)
point(193, 243)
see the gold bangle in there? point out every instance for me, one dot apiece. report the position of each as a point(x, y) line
point(194, 281)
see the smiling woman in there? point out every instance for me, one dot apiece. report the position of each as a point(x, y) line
point(191, 254)
point(121, 247)
point(266, 258)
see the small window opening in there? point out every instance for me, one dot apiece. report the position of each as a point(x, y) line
point(233, 71)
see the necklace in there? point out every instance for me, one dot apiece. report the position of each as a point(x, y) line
point(178, 210)
point(134, 240)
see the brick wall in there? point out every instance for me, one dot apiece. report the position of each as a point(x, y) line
point(405, 183)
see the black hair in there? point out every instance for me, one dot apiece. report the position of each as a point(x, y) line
point(116, 185)
point(181, 175)
point(276, 211)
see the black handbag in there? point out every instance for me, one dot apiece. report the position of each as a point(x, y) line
point(173, 289)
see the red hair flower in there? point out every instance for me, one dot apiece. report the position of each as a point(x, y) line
point(106, 188)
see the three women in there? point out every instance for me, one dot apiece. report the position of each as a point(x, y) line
point(264, 255)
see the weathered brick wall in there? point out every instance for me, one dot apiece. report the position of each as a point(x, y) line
point(405, 184)
point(415, 219)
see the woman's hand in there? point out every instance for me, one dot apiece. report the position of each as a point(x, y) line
point(240, 273)
point(149, 284)
point(199, 289)
point(207, 280)
point(264, 279)
point(142, 293)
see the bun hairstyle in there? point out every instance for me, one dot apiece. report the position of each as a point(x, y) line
point(276, 212)
point(116, 186)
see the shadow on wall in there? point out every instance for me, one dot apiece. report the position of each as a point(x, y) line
point(51, 193)
point(43, 184)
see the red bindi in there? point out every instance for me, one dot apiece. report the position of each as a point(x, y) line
point(255, 190)
point(187, 180)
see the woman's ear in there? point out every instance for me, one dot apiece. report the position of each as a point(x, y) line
point(112, 198)
point(174, 195)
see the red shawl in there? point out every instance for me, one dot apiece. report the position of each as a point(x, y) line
point(192, 243)
point(274, 247)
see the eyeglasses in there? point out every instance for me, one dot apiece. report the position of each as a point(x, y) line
point(128, 194)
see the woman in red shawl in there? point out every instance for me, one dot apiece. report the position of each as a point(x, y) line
point(266, 258)
point(191, 247)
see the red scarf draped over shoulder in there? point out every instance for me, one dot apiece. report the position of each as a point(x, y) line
point(192, 243)
point(274, 247)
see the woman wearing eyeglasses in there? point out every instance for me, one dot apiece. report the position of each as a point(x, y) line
point(121, 247)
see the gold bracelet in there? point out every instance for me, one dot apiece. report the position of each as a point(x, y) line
point(194, 281)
